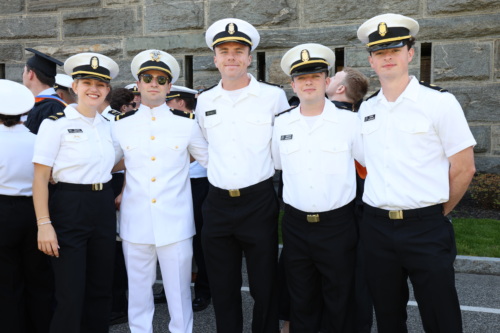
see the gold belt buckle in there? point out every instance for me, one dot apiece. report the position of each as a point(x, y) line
point(234, 193)
point(396, 214)
point(313, 218)
point(97, 187)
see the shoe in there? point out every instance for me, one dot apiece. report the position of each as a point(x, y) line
point(160, 297)
point(200, 303)
point(118, 318)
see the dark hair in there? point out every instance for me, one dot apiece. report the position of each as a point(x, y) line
point(47, 80)
point(356, 85)
point(190, 103)
point(119, 97)
point(10, 121)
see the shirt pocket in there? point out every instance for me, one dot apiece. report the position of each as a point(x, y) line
point(212, 121)
point(335, 157)
point(176, 151)
point(258, 128)
point(414, 126)
point(369, 127)
point(76, 146)
point(291, 162)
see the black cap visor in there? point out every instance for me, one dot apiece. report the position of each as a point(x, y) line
point(391, 45)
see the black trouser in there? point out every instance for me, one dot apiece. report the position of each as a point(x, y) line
point(319, 262)
point(85, 224)
point(421, 247)
point(199, 191)
point(26, 281)
point(247, 223)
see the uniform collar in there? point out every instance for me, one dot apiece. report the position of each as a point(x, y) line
point(329, 113)
point(160, 108)
point(253, 88)
point(70, 112)
point(48, 91)
point(411, 92)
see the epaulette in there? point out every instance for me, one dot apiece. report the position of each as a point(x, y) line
point(58, 115)
point(207, 89)
point(185, 114)
point(287, 110)
point(272, 84)
point(124, 115)
point(374, 94)
point(114, 112)
point(432, 86)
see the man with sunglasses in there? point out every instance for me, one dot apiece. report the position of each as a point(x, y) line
point(241, 210)
point(156, 220)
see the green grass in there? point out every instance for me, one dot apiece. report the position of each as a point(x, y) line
point(477, 237)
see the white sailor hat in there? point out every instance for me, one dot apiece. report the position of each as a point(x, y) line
point(133, 88)
point(307, 59)
point(181, 92)
point(387, 31)
point(89, 65)
point(63, 81)
point(232, 30)
point(16, 98)
point(155, 60)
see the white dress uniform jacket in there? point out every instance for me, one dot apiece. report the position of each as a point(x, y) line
point(318, 162)
point(407, 144)
point(240, 132)
point(156, 206)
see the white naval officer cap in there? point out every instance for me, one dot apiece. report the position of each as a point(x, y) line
point(181, 92)
point(387, 31)
point(16, 98)
point(232, 30)
point(90, 65)
point(133, 88)
point(155, 60)
point(307, 59)
point(63, 81)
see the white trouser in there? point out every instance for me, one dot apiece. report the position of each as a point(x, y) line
point(175, 264)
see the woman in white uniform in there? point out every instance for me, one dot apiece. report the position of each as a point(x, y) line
point(76, 227)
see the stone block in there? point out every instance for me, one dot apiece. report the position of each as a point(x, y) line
point(274, 72)
point(480, 102)
point(461, 27)
point(451, 63)
point(186, 43)
point(204, 63)
point(495, 140)
point(356, 56)
point(12, 6)
point(336, 11)
point(102, 21)
point(278, 13)
point(121, 2)
point(28, 28)
point(482, 135)
point(55, 5)
point(63, 49)
point(174, 16)
point(487, 164)
point(11, 52)
point(497, 59)
point(14, 72)
point(205, 79)
point(456, 6)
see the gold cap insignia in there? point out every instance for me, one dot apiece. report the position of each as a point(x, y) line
point(94, 62)
point(231, 28)
point(155, 55)
point(382, 29)
point(304, 55)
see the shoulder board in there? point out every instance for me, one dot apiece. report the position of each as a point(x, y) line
point(432, 86)
point(125, 115)
point(114, 112)
point(271, 84)
point(182, 113)
point(56, 116)
point(374, 94)
point(41, 98)
point(287, 110)
point(207, 89)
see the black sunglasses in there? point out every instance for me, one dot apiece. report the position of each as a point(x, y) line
point(131, 104)
point(147, 78)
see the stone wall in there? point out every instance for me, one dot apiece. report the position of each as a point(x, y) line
point(464, 34)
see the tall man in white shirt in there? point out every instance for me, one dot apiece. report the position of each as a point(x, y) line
point(241, 209)
point(156, 220)
point(315, 145)
point(420, 161)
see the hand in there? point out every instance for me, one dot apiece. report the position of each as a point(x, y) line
point(47, 240)
point(118, 201)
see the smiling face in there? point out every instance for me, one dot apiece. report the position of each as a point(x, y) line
point(90, 92)
point(310, 88)
point(391, 63)
point(232, 60)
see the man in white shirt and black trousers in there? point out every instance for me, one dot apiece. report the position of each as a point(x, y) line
point(241, 210)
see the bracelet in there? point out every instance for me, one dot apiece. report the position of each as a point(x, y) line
point(43, 217)
point(39, 224)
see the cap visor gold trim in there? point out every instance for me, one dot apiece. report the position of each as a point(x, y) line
point(154, 68)
point(92, 73)
point(307, 63)
point(388, 40)
point(229, 39)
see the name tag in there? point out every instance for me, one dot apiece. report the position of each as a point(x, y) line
point(210, 113)
point(74, 130)
point(287, 137)
point(370, 117)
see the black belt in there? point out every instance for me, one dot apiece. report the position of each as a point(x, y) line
point(317, 217)
point(406, 213)
point(265, 184)
point(83, 187)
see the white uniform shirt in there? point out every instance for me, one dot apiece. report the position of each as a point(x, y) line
point(318, 161)
point(79, 151)
point(239, 133)
point(16, 169)
point(407, 144)
point(157, 206)
point(109, 113)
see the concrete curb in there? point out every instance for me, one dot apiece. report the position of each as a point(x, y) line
point(477, 265)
